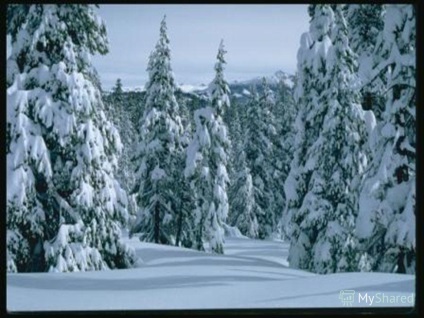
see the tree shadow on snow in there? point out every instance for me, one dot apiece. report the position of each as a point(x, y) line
point(219, 261)
point(281, 253)
point(401, 287)
point(85, 284)
point(241, 247)
point(149, 254)
point(282, 274)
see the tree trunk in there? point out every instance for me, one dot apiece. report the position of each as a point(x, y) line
point(400, 263)
point(179, 227)
point(199, 235)
point(156, 223)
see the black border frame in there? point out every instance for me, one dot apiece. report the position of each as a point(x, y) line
point(416, 311)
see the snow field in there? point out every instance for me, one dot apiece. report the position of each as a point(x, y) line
point(247, 276)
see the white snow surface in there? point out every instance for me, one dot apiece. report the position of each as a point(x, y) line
point(251, 274)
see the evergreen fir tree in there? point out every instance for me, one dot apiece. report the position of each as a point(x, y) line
point(64, 206)
point(259, 147)
point(207, 157)
point(386, 220)
point(185, 217)
point(241, 213)
point(231, 120)
point(337, 161)
point(117, 110)
point(117, 90)
point(271, 165)
point(254, 145)
point(159, 150)
point(198, 174)
point(285, 116)
point(365, 23)
point(237, 135)
point(311, 191)
point(311, 59)
point(242, 199)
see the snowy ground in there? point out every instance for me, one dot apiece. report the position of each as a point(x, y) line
point(252, 274)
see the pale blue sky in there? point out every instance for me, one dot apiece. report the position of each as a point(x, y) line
point(260, 39)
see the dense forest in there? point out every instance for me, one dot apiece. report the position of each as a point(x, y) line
point(323, 159)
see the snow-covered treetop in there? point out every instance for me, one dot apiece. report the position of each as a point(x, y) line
point(322, 21)
point(220, 88)
point(163, 28)
point(41, 37)
point(343, 68)
point(396, 45)
point(219, 66)
point(398, 27)
point(118, 87)
point(312, 54)
point(16, 15)
point(268, 94)
point(49, 34)
point(399, 35)
point(161, 85)
point(365, 23)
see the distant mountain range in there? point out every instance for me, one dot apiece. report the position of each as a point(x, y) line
point(272, 80)
point(239, 89)
point(242, 89)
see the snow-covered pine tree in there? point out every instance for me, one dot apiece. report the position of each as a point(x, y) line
point(159, 150)
point(231, 113)
point(242, 199)
point(311, 59)
point(311, 65)
point(386, 220)
point(285, 115)
point(185, 217)
point(117, 89)
point(236, 146)
point(270, 173)
point(255, 144)
point(337, 160)
point(198, 174)
point(207, 157)
point(241, 113)
point(220, 145)
point(234, 128)
point(117, 111)
point(365, 22)
point(112, 109)
point(64, 206)
point(232, 121)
